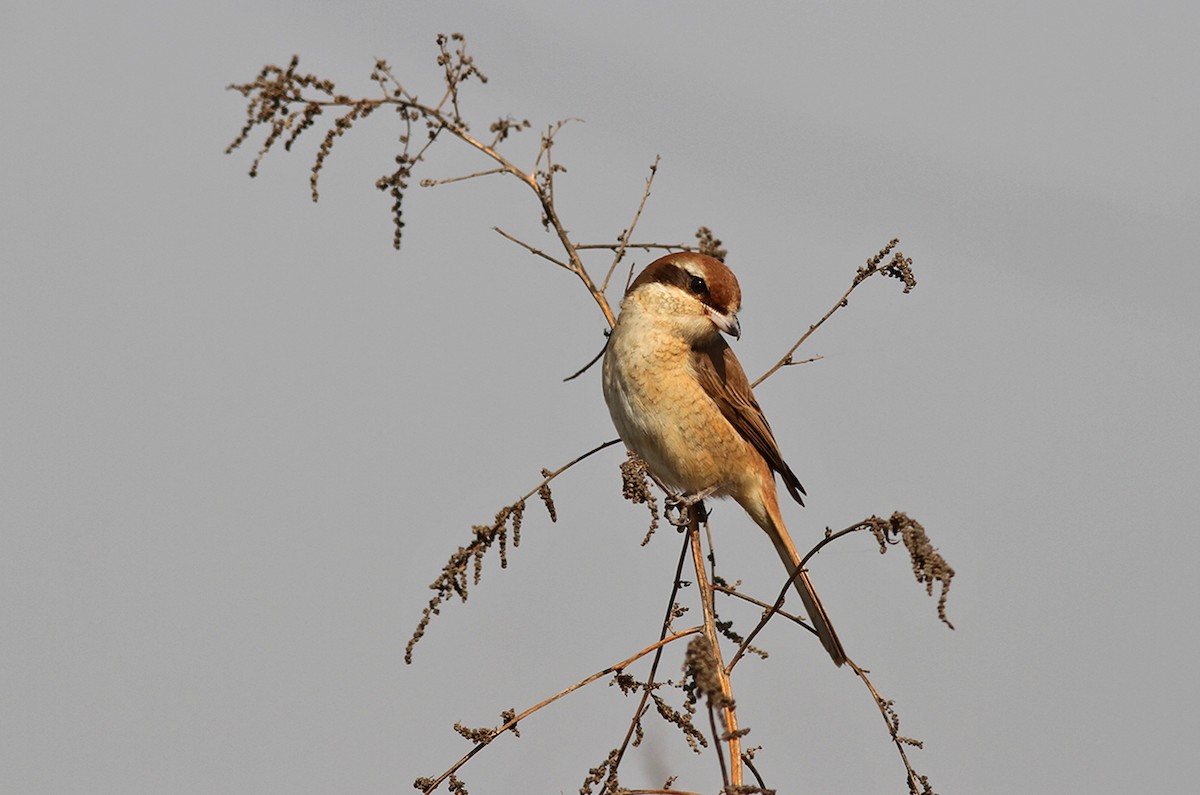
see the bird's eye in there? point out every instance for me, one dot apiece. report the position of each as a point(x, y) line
point(697, 285)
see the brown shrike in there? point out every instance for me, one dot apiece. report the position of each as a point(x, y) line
point(682, 403)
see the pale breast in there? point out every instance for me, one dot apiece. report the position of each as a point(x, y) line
point(663, 414)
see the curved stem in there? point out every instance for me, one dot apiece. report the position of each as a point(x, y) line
point(546, 702)
point(666, 627)
point(777, 607)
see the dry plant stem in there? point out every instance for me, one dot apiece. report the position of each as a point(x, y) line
point(555, 473)
point(587, 366)
point(754, 771)
point(624, 241)
point(547, 477)
point(641, 246)
point(768, 610)
point(546, 702)
point(666, 627)
point(787, 586)
point(710, 632)
point(431, 183)
point(787, 357)
point(712, 724)
point(914, 781)
point(544, 192)
point(570, 464)
point(535, 251)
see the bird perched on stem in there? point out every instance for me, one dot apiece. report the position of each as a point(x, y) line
point(681, 401)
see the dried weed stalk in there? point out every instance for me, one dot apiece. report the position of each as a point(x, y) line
point(287, 103)
point(453, 579)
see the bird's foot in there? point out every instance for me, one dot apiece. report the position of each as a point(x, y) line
point(678, 507)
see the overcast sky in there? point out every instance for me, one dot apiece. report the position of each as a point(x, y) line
point(241, 434)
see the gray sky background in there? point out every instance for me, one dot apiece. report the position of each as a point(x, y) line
point(241, 434)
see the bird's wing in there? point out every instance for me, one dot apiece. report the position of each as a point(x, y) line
point(723, 379)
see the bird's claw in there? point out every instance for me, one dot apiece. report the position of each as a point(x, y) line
point(678, 508)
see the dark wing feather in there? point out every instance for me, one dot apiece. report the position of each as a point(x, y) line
point(723, 379)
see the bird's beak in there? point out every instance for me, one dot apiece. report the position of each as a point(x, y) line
point(726, 322)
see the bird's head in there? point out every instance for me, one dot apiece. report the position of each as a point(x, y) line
point(697, 294)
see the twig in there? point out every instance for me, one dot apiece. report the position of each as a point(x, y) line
point(642, 246)
point(775, 608)
point(666, 627)
point(587, 366)
point(916, 783)
point(453, 579)
point(431, 786)
point(532, 250)
point(555, 473)
point(624, 241)
point(712, 724)
point(860, 277)
point(430, 183)
point(753, 770)
point(758, 603)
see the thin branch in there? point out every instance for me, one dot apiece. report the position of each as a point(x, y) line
point(587, 366)
point(536, 251)
point(916, 783)
point(759, 603)
point(548, 141)
point(776, 608)
point(548, 174)
point(712, 724)
point(749, 762)
point(453, 579)
point(429, 142)
point(787, 357)
point(642, 246)
point(871, 269)
point(624, 240)
point(597, 294)
point(570, 464)
point(666, 627)
point(616, 667)
point(430, 183)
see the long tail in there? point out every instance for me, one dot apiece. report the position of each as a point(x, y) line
point(775, 528)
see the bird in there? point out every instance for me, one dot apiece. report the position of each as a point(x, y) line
point(681, 402)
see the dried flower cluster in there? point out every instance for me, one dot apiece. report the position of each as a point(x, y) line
point(928, 564)
point(702, 667)
point(453, 579)
point(900, 267)
point(682, 719)
point(286, 101)
point(709, 244)
point(606, 771)
point(635, 487)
